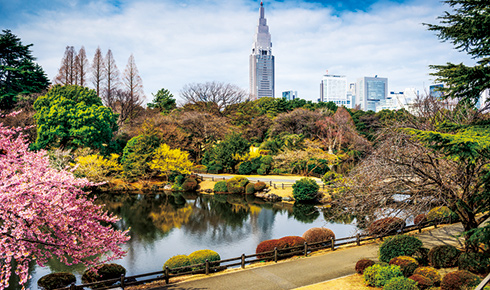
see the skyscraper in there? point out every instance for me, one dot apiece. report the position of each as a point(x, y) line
point(371, 92)
point(333, 88)
point(262, 61)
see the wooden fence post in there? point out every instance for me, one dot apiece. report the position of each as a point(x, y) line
point(435, 224)
point(306, 249)
point(271, 183)
point(358, 239)
point(167, 274)
point(274, 186)
point(332, 243)
point(207, 267)
point(275, 254)
point(420, 227)
point(282, 185)
point(122, 280)
point(243, 261)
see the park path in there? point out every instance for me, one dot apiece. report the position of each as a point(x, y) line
point(310, 270)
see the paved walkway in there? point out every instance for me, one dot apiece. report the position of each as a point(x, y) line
point(310, 270)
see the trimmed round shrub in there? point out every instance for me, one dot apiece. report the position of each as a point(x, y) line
point(385, 226)
point(378, 275)
point(422, 256)
point(429, 272)
point(478, 263)
point(266, 246)
point(177, 262)
point(190, 184)
point(259, 186)
point(420, 218)
point(305, 189)
point(245, 168)
point(220, 186)
point(459, 280)
point(250, 189)
point(56, 280)
point(407, 264)
point(362, 264)
point(237, 184)
point(200, 257)
point(106, 272)
point(290, 241)
point(439, 213)
point(444, 256)
point(315, 235)
point(400, 245)
point(422, 281)
point(401, 283)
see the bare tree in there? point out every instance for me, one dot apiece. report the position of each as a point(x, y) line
point(67, 74)
point(133, 97)
point(220, 94)
point(98, 76)
point(111, 81)
point(82, 66)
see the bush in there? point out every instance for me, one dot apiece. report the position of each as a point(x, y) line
point(422, 256)
point(444, 256)
point(478, 263)
point(220, 186)
point(401, 283)
point(400, 245)
point(420, 218)
point(459, 280)
point(289, 242)
point(259, 186)
point(429, 272)
point(200, 257)
point(422, 281)
point(190, 184)
point(236, 184)
point(305, 189)
point(106, 272)
point(250, 188)
point(179, 179)
point(245, 168)
point(439, 213)
point(407, 264)
point(177, 262)
point(56, 280)
point(315, 235)
point(385, 226)
point(266, 246)
point(362, 264)
point(378, 275)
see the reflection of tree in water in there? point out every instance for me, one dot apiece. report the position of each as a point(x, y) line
point(305, 213)
point(338, 215)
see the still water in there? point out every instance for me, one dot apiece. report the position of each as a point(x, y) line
point(167, 224)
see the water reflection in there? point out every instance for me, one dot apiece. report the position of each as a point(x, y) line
point(167, 224)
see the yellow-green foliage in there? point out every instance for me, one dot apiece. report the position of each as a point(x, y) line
point(166, 160)
point(97, 168)
point(177, 262)
point(407, 264)
point(429, 272)
point(200, 257)
point(438, 213)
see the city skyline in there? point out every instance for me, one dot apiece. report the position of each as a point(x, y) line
point(176, 43)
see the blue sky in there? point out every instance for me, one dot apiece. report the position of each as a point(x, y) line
point(191, 41)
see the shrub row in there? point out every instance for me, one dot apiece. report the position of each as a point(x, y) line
point(195, 258)
point(238, 185)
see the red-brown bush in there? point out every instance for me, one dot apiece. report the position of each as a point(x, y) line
point(290, 241)
point(422, 281)
point(458, 279)
point(362, 264)
point(407, 264)
point(420, 218)
point(385, 226)
point(315, 235)
point(266, 246)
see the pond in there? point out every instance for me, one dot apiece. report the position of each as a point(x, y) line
point(167, 224)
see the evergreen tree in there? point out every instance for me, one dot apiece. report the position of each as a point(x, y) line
point(19, 74)
point(468, 28)
point(163, 100)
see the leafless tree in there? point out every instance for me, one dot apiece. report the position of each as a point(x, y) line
point(67, 73)
point(82, 67)
point(111, 81)
point(98, 76)
point(220, 94)
point(126, 105)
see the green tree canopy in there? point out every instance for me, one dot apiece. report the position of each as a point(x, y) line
point(163, 100)
point(226, 153)
point(72, 116)
point(19, 74)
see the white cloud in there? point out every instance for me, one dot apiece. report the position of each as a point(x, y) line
point(175, 43)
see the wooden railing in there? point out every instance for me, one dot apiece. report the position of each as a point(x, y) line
point(274, 255)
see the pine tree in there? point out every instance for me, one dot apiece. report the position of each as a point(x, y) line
point(19, 74)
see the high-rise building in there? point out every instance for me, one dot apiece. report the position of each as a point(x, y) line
point(333, 88)
point(371, 92)
point(262, 61)
point(290, 95)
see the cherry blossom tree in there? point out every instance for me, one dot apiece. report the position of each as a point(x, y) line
point(45, 213)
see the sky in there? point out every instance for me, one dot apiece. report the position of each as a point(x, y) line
point(181, 42)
